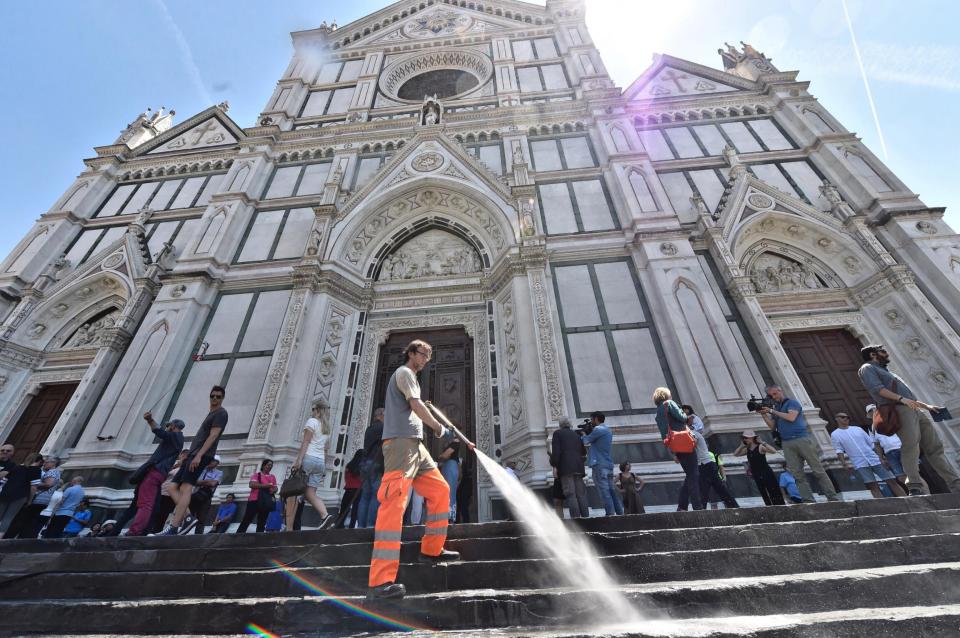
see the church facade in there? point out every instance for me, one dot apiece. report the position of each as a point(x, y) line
point(467, 173)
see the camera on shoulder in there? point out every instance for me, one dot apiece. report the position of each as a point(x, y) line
point(755, 404)
point(586, 427)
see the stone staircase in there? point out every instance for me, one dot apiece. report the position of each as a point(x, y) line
point(874, 568)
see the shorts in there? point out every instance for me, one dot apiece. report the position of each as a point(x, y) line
point(408, 456)
point(896, 465)
point(315, 471)
point(874, 473)
point(184, 475)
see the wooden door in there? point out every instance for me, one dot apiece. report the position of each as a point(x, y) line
point(38, 419)
point(827, 362)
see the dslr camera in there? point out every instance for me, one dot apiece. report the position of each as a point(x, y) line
point(755, 404)
point(586, 427)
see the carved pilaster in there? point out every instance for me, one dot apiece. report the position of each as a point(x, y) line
point(549, 360)
point(267, 414)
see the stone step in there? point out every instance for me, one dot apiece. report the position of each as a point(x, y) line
point(495, 574)
point(828, 599)
point(665, 520)
point(488, 548)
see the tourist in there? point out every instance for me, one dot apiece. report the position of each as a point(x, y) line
point(711, 478)
point(788, 486)
point(165, 503)
point(27, 523)
point(855, 444)
point(16, 480)
point(350, 503)
point(567, 455)
point(798, 443)
point(407, 465)
point(371, 470)
point(888, 447)
point(263, 485)
point(225, 514)
point(599, 440)
point(72, 497)
point(157, 468)
point(47, 514)
point(917, 432)
point(630, 486)
point(275, 518)
point(449, 463)
point(695, 422)
point(203, 492)
point(670, 417)
point(714, 498)
point(201, 452)
point(763, 476)
point(79, 520)
point(312, 459)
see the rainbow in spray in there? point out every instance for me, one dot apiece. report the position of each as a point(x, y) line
point(353, 608)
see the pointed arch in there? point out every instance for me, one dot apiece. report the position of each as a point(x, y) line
point(445, 262)
point(642, 191)
point(212, 232)
point(620, 141)
point(701, 337)
point(29, 250)
point(862, 167)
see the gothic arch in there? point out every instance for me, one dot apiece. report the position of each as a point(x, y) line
point(813, 273)
point(477, 258)
point(360, 243)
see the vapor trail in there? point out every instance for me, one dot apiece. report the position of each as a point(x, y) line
point(186, 53)
point(863, 74)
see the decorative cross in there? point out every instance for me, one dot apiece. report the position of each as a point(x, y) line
point(203, 130)
point(672, 75)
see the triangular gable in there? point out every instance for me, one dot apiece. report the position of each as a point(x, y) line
point(673, 78)
point(208, 129)
point(747, 195)
point(429, 154)
point(438, 21)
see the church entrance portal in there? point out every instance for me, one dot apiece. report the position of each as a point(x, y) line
point(827, 362)
point(38, 419)
point(447, 381)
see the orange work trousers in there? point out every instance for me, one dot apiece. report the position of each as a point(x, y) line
point(422, 475)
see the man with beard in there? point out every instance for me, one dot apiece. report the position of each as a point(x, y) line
point(917, 433)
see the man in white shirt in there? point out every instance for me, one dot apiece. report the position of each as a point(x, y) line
point(855, 444)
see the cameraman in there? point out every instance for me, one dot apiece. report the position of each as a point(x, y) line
point(599, 438)
point(787, 418)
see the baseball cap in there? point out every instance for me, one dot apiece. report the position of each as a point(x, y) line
point(178, 423)
point(866, 351)
point(216, 457)
point(871, 408)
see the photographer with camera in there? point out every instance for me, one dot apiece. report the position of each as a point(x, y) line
point(599, 440)
point(786, 417)
point(912, 416)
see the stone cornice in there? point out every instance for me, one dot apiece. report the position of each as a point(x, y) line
point(64, 215)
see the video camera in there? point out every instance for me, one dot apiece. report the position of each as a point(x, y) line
point(755, 404)
point(586, 427)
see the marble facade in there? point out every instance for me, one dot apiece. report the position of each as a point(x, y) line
point(597, 241)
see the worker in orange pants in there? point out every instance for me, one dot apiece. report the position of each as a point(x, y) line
point(407, 464)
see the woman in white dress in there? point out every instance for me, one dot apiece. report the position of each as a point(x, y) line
point(312, 459)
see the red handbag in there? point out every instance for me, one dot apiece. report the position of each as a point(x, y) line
point(679, 441)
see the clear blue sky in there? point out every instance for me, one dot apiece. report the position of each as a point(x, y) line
point(75, 73)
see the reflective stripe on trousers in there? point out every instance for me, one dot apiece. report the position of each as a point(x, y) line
point(393, 494)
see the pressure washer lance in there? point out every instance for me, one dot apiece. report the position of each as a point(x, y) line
point(446, 422)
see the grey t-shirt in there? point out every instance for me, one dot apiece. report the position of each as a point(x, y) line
point(399, 421)
point(215, 419)
point(703, 452)
point(874, 378)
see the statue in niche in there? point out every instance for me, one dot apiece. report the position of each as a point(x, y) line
point(431, 112)
point(772, 273)
point(830, 193)
point(699, 205)
point(518, 153)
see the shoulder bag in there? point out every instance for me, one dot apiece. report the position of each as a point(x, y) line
point(886, 421)
point(679, 441)
point(295, 484)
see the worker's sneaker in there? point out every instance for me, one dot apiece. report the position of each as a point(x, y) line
point(188, 524)
point(445, 556)
point(916, 491)
point(387, 590)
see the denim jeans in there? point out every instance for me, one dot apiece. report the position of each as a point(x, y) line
point(603, 479)
point(367, 510)
point(451, 472)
